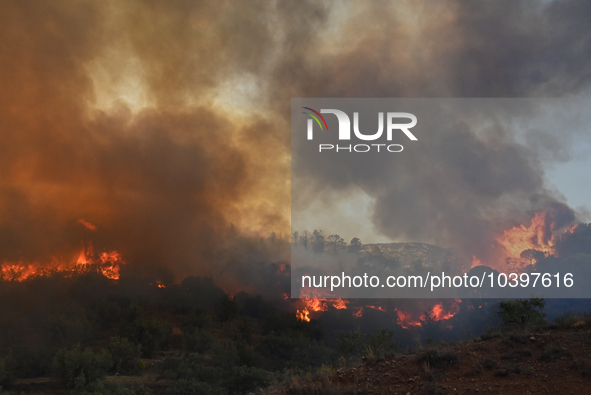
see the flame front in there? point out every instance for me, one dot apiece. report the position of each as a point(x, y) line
point(437, 313)
point(107, 263)
point(521, 242)
point(522, 238)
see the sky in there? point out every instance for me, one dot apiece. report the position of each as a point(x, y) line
point(166, 124)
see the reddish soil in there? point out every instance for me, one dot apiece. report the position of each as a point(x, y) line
point(547, 362)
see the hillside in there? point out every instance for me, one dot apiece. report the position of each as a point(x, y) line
point(553, 361)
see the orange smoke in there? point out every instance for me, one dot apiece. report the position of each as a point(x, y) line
point(87, 224)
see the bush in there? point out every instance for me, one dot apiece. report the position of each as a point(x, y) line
point(67, 331)
point(192, 367)
point(197, 319)
point(125, 355)
point(104, 387)
point(192, 387)
point(245, 379)
point(523, 313)
point(152, 334)
point(376, 345)
point(568, 320)
point(4, 376)
point(79, 368)
point(438, 359)
point(27, 362)
point(198, 340)
point(292, 350)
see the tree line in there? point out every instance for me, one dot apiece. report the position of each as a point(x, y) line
point(318, 242)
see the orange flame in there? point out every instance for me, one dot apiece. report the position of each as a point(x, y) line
point(571, 230)
point(358, 312)
point(316, 304)
point(405, 319)
point(522, 238)
point(303, 315)
point(437, 313)
point(475, 261)
point(107, 263)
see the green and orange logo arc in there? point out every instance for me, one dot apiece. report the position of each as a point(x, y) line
point(318, 115)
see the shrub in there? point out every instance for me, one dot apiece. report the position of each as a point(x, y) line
point(26, 362)
point(67, 331)
point(105, 387)
point(523, 312)
point(152, 334)
point(125, 355)
point(198, 340)
point(376, 345)
point(192, 387)
point(192, 367)
point(197, 319)
point(79, 368)
point(4, 376)
point(245, 379)
point(437, 359)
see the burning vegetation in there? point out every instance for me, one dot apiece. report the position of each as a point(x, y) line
point(106, 263)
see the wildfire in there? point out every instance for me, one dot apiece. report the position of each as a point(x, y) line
point(340, 304)
point(571, 230)
point(316, 304)
point(358, 312)
point(520, 242)
point(437, 313)
point(405, 319)
point(522, 238)
point(107, 263)
point(303, 315)
point(476, 261)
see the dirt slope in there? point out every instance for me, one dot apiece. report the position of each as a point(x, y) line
point(544, 362)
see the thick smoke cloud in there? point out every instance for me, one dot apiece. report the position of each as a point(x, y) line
point(165, 123)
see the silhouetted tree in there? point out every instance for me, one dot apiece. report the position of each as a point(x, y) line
point(355, 245)
point(318, 241)
point(295, 236)
point(336, 242)
point(304, 239)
